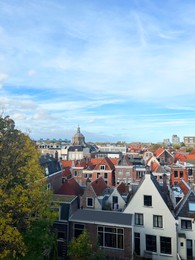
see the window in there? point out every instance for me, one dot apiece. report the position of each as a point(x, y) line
point(98, 175)
point(105, 175)
point(147, 200)
point(119, 172)
point(61, 235)
point(127, 173)
point(151, 243)
point(181, 174)
point(129, 181)
point(111, 237)
point(89, 202)
point(75, 173)
point(176, 174)
point(190, 172)
point(78, 229)
point(191, 206)
point(157, 221)
point(165, 245)
point(102, 167)
point(186, 224)
point(85, 175)
point(118, 180)
point(139, 219)
point(46, 171)
point(49, 186)
point(90, 175)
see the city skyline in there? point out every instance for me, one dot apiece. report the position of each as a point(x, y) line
point(121, 70)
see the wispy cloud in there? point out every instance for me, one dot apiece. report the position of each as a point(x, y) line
point(104, 65)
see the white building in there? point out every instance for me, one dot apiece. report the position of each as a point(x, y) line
point(154, 223)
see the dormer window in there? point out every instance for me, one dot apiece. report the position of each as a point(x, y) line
point(102, 167)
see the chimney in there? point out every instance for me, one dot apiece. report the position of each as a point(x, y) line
point(56, 155)
point(164, 182)
point(88, 182)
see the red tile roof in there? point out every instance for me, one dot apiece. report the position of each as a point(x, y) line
point(180, 157)
point(70, 187)
point(107, 162)
point(98, 160)
point(154, 166)
point(66, 172)
point(184, 187)
point(122, 188)
point(190, 156)
point(80, 164)
point(66, 163)
point(159, 151)
point(99, 186)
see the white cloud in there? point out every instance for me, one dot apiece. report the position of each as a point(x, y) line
point(31, 73)
point(3, 78)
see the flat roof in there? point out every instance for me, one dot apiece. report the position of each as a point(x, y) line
point(103, 217)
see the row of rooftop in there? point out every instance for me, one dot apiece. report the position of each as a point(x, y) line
point(147, 197)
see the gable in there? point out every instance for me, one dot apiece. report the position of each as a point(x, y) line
point(149, 187)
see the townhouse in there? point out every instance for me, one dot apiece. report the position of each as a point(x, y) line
point(154, 224)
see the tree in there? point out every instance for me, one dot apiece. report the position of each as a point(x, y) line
point(154, 147)
point(81, 249)
point(24, 200)
point(189, 149)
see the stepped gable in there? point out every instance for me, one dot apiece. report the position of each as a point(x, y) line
point(70, 187)
point(99, 186)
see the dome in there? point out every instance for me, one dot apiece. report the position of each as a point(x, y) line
point(78, 138)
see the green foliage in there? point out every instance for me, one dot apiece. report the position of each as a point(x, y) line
point(176, 146)
point(23, 195)
point(189, 149)
point(81, 249)
point(154, 147)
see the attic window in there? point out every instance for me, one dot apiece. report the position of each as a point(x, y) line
point(102, 167)
point(191, 206)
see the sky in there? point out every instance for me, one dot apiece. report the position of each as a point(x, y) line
point(123, 70)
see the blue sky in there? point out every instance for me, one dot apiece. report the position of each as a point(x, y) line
point(121, 69)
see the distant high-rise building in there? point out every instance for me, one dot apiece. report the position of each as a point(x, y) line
point(175, 139)
point(189, 141)
point(166, 141)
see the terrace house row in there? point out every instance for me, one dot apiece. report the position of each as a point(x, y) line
point(151, 225)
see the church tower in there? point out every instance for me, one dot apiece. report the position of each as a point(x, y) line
point(78, 138)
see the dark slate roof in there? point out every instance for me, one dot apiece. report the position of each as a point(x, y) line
point(102, 217)
point(73, 148)
point(124, 161)
point(163, 192)
point(183, 210)
point(51, 163)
